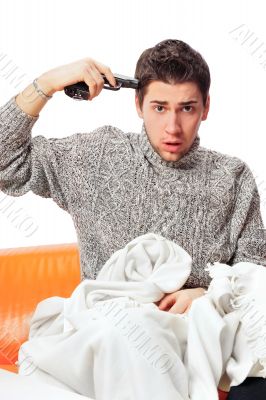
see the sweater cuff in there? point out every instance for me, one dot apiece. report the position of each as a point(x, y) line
point(11, 111)
point(12, 114)
point(15, 125)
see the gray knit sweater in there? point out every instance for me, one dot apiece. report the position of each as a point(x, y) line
point(116, 187)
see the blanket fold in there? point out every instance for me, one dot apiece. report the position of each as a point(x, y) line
point(110, 341)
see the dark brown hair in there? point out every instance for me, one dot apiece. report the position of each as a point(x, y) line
point(172, 61)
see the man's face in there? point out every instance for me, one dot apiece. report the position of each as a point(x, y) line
point(172, 115)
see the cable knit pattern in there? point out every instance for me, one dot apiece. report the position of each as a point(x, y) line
point(116, 187)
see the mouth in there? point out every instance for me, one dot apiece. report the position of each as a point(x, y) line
point(172, 147)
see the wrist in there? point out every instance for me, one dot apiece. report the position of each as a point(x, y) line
point(45, 85)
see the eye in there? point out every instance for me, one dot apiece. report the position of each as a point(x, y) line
point(187, 108)
point(159, 108)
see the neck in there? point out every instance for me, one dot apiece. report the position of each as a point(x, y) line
point(186, 161)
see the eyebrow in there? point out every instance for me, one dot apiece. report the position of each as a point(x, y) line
point(182, 103)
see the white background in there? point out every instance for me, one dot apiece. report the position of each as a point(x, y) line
point(37, 35)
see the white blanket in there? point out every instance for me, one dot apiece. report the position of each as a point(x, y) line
point(110, 341)
point(17, 387)
point(226, 339)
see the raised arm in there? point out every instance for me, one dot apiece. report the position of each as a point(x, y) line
point(54, 80)
point(38, 163)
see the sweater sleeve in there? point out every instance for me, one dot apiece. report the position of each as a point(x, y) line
point(37, 164)
point(251, 241)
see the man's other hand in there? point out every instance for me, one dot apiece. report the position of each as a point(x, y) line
point(179, 302)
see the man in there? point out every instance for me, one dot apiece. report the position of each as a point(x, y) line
point(117, 186)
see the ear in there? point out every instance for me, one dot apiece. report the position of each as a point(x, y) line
point(140, 113)
point(206, 109)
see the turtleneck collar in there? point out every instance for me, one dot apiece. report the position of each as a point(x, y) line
point(188, 160)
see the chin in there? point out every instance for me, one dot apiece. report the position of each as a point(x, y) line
point(171, 157)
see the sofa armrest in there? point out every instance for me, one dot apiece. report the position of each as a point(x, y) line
point(27, 276)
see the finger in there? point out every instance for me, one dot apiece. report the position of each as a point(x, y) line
point(88, 79)
point(107, 73)
point(94, 80)
point(179, 307)
point(98, 79)
point(188, 308)
point(167, 302)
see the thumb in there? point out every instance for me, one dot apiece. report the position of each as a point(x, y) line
point(167, 302)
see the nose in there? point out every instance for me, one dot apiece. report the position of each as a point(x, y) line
point(173, 125)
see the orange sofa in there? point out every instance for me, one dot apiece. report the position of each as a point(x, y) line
point(27, 276)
